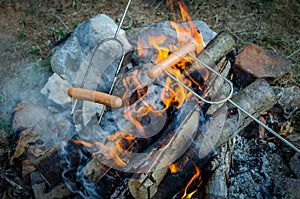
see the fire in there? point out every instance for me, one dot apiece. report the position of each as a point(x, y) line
point(173, 168)
point(194, 178)
point(114, 149)
point(123, 141)
point(88, 145)
point(172, 94)
point(184, 34)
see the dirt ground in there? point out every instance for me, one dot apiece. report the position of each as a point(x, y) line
point(30, 28)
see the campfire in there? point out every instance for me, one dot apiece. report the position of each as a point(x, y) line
point(148, 122)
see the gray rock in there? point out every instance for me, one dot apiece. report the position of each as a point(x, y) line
point(71, 58)
point(290, 99)
point(23, 84)
point(51, 129)
point(28, 116)
point(291, 186)
point(56, 89)
point(295, 165)
point(166, 29)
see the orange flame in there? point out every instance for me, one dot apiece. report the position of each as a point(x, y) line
point(123, 141)
point(88, 145)
point(173, 93)
point(106, 150)
point(173, 168)
point(196, 175)
point(112, 152)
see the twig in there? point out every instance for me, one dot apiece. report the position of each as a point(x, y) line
point(12, 183)
point(293, 53)
point(63, 23)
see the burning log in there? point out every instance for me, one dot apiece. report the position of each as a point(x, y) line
point(146, 185)
point(257, 98)
point(216, 187)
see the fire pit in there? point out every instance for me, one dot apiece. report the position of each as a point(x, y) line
point(163, 110)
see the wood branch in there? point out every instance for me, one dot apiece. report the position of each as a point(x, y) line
point(257, 98)
point(145, 185)
point(215, 50)
point(217, 184)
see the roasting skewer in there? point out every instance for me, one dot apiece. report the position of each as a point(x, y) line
point(187, 50)
point(115, 38)
point(177, 56)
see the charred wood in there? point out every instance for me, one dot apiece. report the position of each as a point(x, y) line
point(257, 98)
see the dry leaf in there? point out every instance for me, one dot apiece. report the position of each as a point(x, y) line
point(286, 129)
point(27, 168)
point(19, 106)
point(26, 137)
point(261, 129)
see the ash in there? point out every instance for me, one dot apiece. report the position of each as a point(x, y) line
point(258, 171)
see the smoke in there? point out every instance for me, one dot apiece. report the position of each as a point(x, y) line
point(72, 174)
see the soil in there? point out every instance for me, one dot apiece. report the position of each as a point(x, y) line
point(30, 28)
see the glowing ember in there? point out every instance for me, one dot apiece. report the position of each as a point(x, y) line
point(173, 168)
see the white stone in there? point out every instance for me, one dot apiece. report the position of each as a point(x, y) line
point(56, 89)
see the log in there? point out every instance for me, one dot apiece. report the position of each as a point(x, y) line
point(145, 185)
point(217, 184)
point(257, 98)
point(52, 164)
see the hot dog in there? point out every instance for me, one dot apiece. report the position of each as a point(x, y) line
point(172, 59)
point(95, 96)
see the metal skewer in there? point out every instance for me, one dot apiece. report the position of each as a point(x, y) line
point(115, 38)
point(246, 112)
point(229, 100)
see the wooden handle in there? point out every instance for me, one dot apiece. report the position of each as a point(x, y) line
point(94, 96)
point(172, 59)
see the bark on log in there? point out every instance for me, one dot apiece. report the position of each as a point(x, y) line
point(257, 98)
point(216, 186)
point(145, 185)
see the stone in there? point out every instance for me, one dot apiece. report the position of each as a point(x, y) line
point(260, 63)
point(72, 56)
point(295, 139)
point(290, 99)
point(28, 116)
point(22, 82)
point(48, 128)
point(295, 165)
point(56, 89)
point(166, 28)
point(291, 187)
